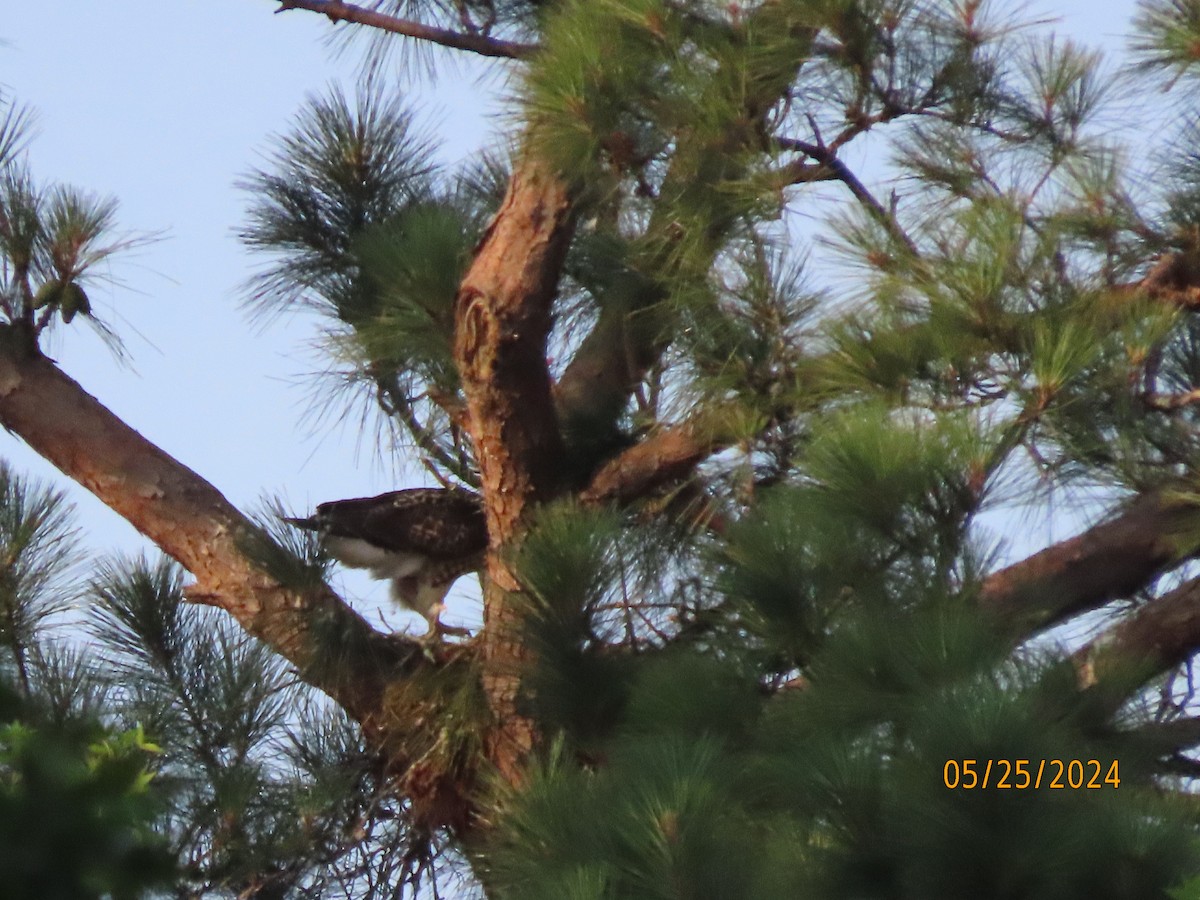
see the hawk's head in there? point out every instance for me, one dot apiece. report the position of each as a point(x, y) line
point(421, 539)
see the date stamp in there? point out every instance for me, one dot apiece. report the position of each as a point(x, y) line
point(1030, 774)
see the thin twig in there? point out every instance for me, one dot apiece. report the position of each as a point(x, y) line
point(397, 403)
point(475, 43)
point(828, 158)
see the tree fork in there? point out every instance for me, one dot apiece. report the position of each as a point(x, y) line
point(626, 341)
point(502, 323)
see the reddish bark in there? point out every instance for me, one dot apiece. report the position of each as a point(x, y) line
point(1156, 638)
point(502, 321)
point(665, 456)
point(1111, 560)
point(193, 523)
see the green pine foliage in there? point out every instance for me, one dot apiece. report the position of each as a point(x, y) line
point(754, 686)
point(365, 231)
point(773, 678)
point(55, 242)
point(76, 808)
point(714, 801)
point(815, 737)
point(790, 728)
point(261, 781)
point(147, 743)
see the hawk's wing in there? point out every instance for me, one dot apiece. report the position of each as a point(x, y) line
point(435, 522)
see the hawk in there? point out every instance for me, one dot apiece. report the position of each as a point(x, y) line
point(421, 539)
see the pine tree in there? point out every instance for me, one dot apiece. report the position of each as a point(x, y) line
point(755, 619)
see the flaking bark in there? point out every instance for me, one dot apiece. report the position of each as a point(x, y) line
point(190, 521)
point(502, 322)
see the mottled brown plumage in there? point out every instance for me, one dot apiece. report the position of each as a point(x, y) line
point(421, 539)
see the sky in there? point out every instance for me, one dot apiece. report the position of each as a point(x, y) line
point(164, 106)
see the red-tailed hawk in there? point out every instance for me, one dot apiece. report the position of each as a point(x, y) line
point(421, 539)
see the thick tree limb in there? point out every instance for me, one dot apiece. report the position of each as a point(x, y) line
point(665, 456)
point(1156, 638)
point(1111, 560)
point(456, 40)
point(193, 523)
point(614, 356)
point(502, 322)
point(1172, 735)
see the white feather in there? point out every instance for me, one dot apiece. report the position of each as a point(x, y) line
point(383, 564)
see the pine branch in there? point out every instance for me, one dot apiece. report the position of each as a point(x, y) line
point(626, 342)
point(502, 322)
point(1174, 734)
point(1156, 638)
point(828, 158)
point(395, 402)
point(1172, 402)
point(1108, 561)
point(193, 523)
point(666, 456)
point(336, 11)
point(1111, 560)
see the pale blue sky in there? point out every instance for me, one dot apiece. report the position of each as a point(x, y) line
point(164, 104)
